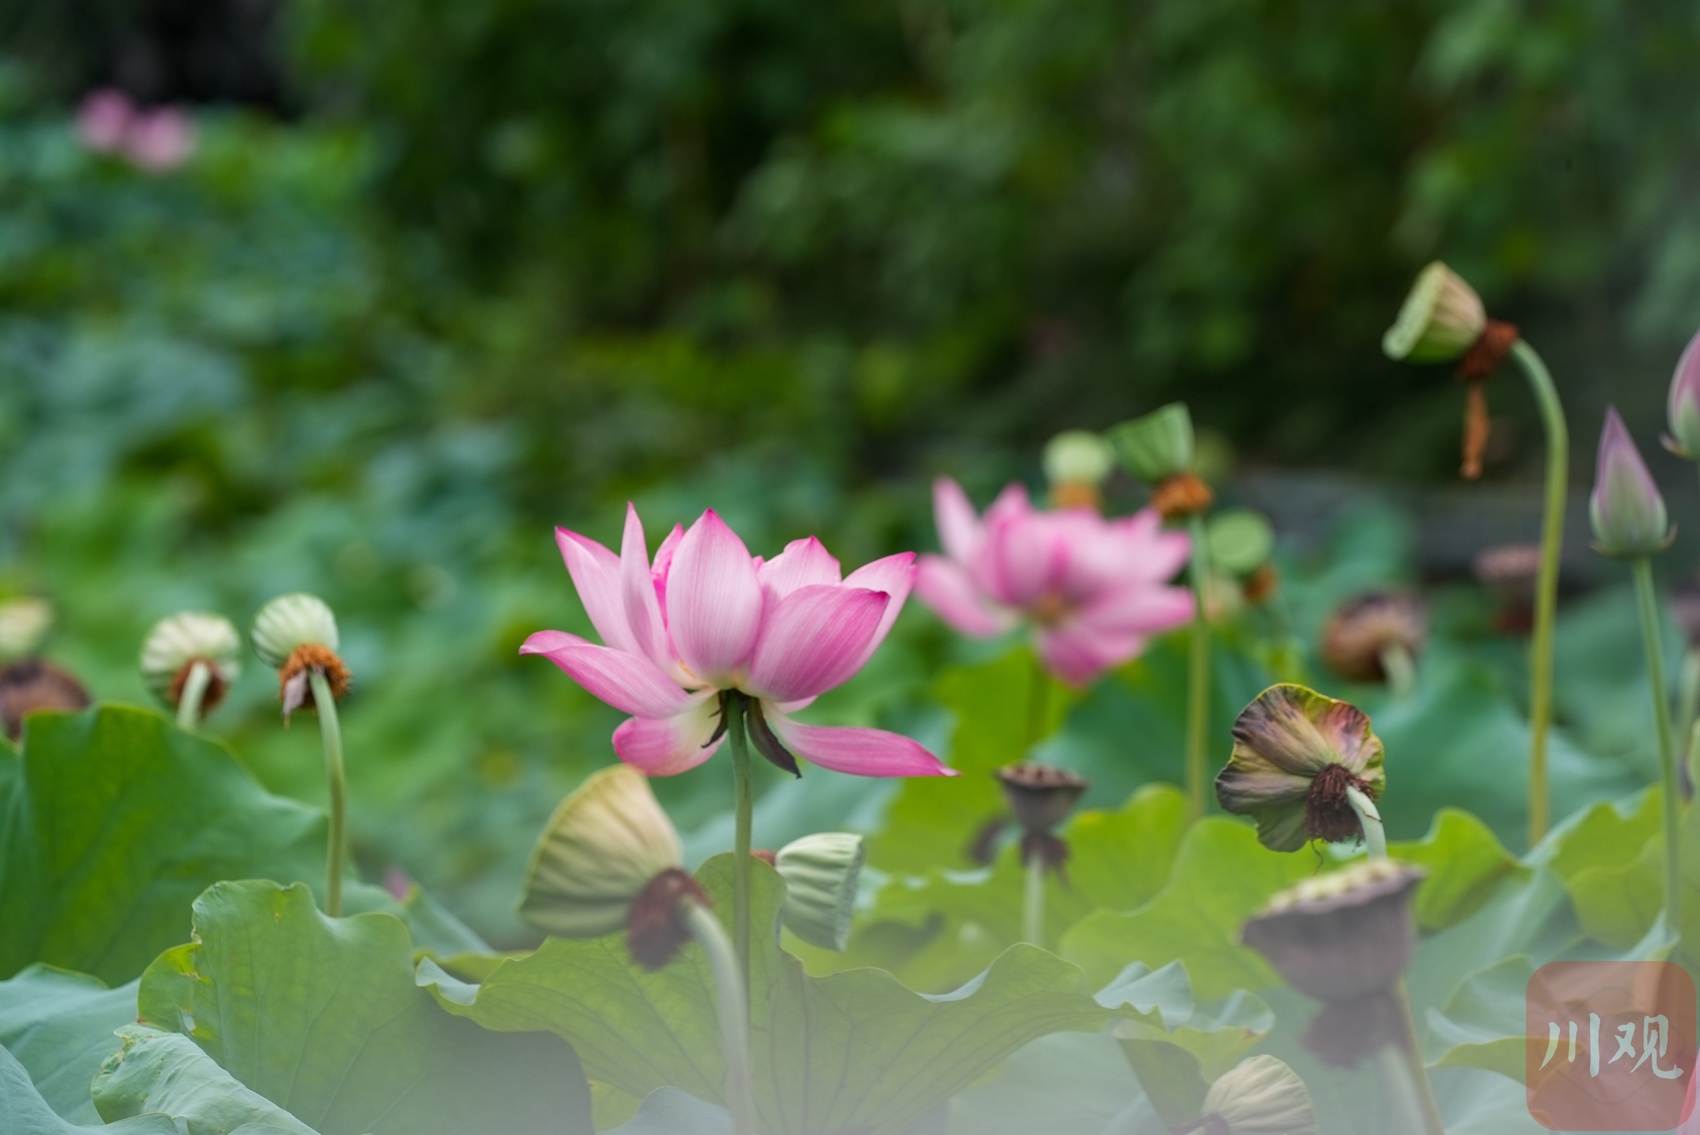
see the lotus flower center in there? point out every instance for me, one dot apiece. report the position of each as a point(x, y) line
point(1328, 812)
point(1050, 609)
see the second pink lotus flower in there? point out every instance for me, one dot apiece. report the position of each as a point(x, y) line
point(706, 617)
point(1092, 590)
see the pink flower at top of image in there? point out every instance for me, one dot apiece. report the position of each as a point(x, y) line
point(705, 617)
point(1091, 590)
point(156, 140)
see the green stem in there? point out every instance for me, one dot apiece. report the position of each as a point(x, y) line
point(1033, 904)
point(734, 1014)
point(1369, 819)
point(1546, 586)
point(743, 802)
point(1038, 702)
point(1688, 716)
point(1648, 603)
point(1426, 1103)
point(1198, 677)
point(330, 732)
point(194, 693)
point(1400, 668)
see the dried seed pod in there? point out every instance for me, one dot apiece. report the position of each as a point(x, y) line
point(1357, 637)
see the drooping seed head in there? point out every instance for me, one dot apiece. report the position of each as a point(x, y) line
point(289, 622)
point(1156, 446)
point(1441, 319)
point(1357, 635)
point(179, 641)
point(821, 874)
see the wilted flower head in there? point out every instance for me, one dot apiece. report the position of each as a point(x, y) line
point(1356, 638)
point(1091, 590)
point(296, 635)
point(1296, 755)
point(23, 624)
point(821, 874)
point(179, 641)
point(1156, 446)
point(610, 859)
point(707, 621)
point(32, 684)
point(1683, 405)
point(1626, 509)
point(1441, 319)
point(1076, 463)
point(1258, 1096)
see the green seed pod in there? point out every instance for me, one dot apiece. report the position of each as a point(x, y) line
point(291, 621)
point(178, 641)
point(1442, 318)
point(1156, 446)
point(23, 624)
point(1239, 540)
point(821, 873)
point(1078, 457)
point(1260, 1096)
point(601, 849)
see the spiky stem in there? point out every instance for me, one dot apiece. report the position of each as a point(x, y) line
point(1198, 675)
point(1648, 603)
point(330, 733)
point(1546, 585)
point(734, 1003)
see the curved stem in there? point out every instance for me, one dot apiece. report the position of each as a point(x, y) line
point(1648, 604)
point(1400, 668)
point(1369, 819)
point(1546, 586)
point(330, 732)
point(194, 692)
point(743, 802)
point(1198, 676)
point(1426, 1103)
point(734, 1014)
point(1033, 903)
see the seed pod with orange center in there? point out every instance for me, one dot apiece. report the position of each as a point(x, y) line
point(31, 684)
point(1358, 637)
point(295, 635)
point(179, 641)
point(1297, 755)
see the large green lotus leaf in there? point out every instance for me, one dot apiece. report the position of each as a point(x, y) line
point(1466, 863)
point(23, 1111)
point(1611, 833)
point(668, 1111)
point(323, 1017)
point(60, 1026)
point(157, 1071)
point(933, 820)
point(1068, 1083)
point(1221, 876)
point(937, 931)
point(1482, 1024)
point(852, 1052)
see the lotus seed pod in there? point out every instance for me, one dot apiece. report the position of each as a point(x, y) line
point(1239, 540)
point(1040, 796)
point(1441, 320)
point(292, 621)
point(1078, 457)
point(1342, 935)
point(23, 624)
point(603, 846)
point(1683, 404)
point(1357, 636)
point(1157, 446)
point(1626, 508)
point(178, 641)
point(821, 873)
point(1260, 1096)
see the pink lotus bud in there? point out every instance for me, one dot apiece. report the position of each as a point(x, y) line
point(160, 139)
point(1626, 508)
point(1684, 405)
point(104, 119)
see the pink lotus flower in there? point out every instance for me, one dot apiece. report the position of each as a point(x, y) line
point(1092, 589)
point(104, 118)
point(706, 617)
point(154, 140)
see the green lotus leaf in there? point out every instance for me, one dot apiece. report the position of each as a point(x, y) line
point(852, 1052)
point(322, 1017)
point(157, 1071)
point(23, 1110)
point(60, 1027)
point(1466, 863)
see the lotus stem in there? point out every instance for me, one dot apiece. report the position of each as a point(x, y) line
point(1648, 603)
point(1401, 670)
point(194, 693)
point(734, 1014)
point(1546, 585)
point(330, 732)
point(1687, 717)
point(1033, 901)
point(1198, 677)
point(1427, 1105)
point(1038, 702)
point(1369, 819)
point(743, 801)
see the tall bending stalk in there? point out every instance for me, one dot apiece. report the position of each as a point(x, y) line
point(1375, 837)
point(1198, 671)
point(1546, 585)
point(330, 732)
point(1648, 604)
point(743, 800)
point(734, 1014)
